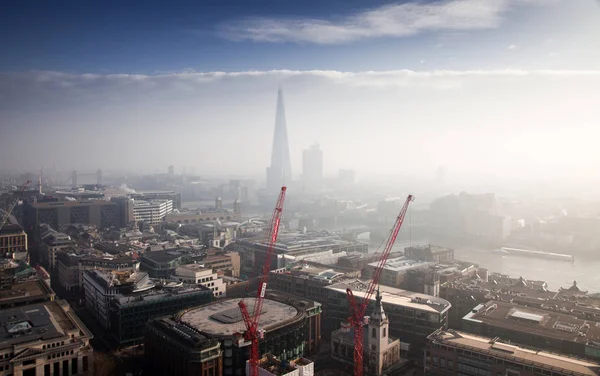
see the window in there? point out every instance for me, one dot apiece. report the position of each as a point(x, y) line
point(384, 332)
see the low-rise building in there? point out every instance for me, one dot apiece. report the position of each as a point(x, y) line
point(555, 330)
point(101, 287)
point(459, 353)
point(44, 339)
point(198, 274)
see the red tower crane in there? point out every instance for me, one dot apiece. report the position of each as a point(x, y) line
point(252, 332)
point(357, 318)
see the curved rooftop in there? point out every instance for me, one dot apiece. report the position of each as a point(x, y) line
point(223, 318)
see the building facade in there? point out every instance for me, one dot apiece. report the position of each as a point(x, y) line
point(152, 212)
point(101, 287)
point(197, 274)
point(429, 253)
point(312, 167)
point(13, 242)
point(129, 312)
point(162, 264)
point(188, 352)
point(459, 353)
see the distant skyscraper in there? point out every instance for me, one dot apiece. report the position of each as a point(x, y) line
point(280, 171)
point(312, 167)
point(171, 171)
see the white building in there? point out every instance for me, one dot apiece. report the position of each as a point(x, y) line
point(198, 274)
point(100, 287)
point(152, 211)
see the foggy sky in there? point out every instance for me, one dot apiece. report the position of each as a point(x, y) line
point(511, 123)
point(493, 90)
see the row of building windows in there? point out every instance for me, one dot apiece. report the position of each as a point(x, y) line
point(57, 355)
point(52, 345)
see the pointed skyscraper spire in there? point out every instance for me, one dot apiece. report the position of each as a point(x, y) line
point(280, 171)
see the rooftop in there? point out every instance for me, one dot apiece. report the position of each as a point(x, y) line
point(432, 248)
point(33, 323)
point(391, 295)
point(537, 321)
point(223, 317)
point(541, 359)
point(402, 264)
point(25, 291)
point(11, 229)
point(298, 242)
point(167, 255)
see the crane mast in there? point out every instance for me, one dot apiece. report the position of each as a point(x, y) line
point(357, 310)
point(251, 319)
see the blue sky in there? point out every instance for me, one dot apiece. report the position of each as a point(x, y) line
point(491, 89)
point(156, 36)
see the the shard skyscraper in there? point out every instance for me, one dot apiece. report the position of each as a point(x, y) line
point(280, 171)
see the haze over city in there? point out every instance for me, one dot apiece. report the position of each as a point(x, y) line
point(488, 89)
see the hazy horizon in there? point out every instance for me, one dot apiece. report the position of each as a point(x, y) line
point(494, 91)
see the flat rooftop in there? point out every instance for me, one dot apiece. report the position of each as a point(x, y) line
point(542, 322)
point(433, 248)
point(223, 318)
point(24, 291)
point(391, 295)
point(541, 359)
point(33, 323)
point(400, 264)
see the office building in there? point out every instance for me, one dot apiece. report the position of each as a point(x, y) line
point(227, 263)
point(52, 243)
point(175, 197)
point(279, 173)
point(429, 253)
point(395, 270)
point(13, 242)
point(129, 311)
point(198, 274)
point(312, 168)
point(101, 287)
point(152, 212)
point(381, 352)
point(292, 247)
point(459, 353)
point(412, 316)
point(100, 213)
point(554, 330)
point(308, 281)
point(288, 325)
point(44, 339)
point(172, 348)
point(15, 293)
point(71, 267)
point(162, 264)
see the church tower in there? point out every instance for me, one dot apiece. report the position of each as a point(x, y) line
point(377, 337)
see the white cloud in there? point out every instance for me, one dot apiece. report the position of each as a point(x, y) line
point(512, 47)
point(397, 20)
